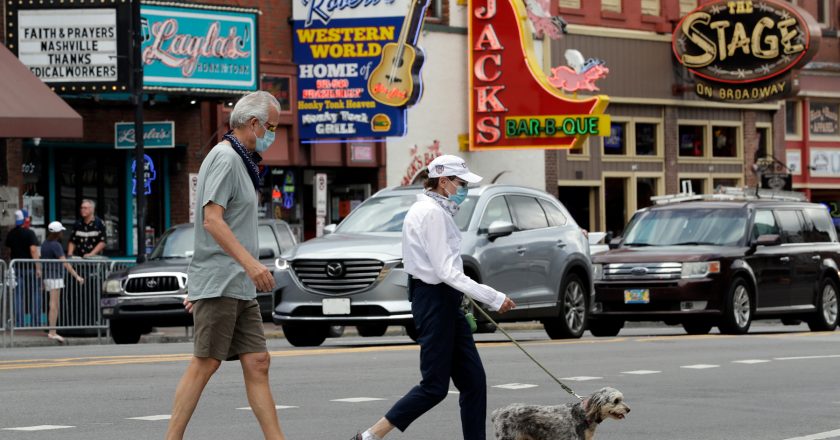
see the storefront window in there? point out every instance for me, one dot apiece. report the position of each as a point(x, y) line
point(611, 5)
point(570, 4)
point(646, 139)
point(645, 189)
point(281, 196)
point(697, 186)
point(718, 183)
point(792, 126)
point(724, 141)
point(650, 7)
point(616, 142)
point(692, 140)
point(765, 144)
point(823, 119)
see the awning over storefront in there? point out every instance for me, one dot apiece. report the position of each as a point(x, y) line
point(28, 108)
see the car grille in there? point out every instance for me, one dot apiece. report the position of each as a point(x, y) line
point(642, 271)
point(336, 277)
point(152, 284)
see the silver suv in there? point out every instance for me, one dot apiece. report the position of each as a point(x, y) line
point(518, 240)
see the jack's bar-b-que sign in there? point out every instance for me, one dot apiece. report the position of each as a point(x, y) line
point(512, 104)
point(745, 51)
point(73, 48)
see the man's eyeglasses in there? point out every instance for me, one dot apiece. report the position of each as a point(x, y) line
point(270, 127)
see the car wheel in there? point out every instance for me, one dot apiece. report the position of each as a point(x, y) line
point(123, 333)
point(572, 320)
point(825, 319)
point(306, 335)
point(737, 309)
point(605, 327)
point(697, 327)
point(372, 330)
point(411, 331)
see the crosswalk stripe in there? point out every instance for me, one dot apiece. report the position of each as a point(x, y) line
point(357, 399)
point(699, 366)
point(798, 358)
point(152, 418)
point(819, 436)
point(38, 428)
point(248, 408)
point(515, 386)
point(751, 361)
point(641, 372)
point(581, 378)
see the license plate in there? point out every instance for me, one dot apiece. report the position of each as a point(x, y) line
point(336, 306)
point(637, 296)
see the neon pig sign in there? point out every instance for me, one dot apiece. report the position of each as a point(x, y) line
point(512, 103)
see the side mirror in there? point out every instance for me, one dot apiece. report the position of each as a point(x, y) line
point(768, 240)
point(330, 228)
point(615, 243)
point(266, 253)
point(499, 229)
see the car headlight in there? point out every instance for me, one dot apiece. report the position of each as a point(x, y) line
point(700, 270)
point(113, 286)
point(281, 264)
point(597, 272)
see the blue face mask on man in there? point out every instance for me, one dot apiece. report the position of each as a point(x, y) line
point(264, 143)
point(460, 194)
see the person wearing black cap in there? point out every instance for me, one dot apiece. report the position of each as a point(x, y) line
point(431, 243)
point(23, 244)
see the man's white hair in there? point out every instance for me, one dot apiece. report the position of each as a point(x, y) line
point(252, 105)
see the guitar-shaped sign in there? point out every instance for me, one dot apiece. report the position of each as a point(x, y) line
point(396, 80)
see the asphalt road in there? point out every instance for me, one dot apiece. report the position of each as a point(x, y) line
point(778, 383)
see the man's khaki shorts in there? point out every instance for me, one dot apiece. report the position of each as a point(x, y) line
point(227, 327)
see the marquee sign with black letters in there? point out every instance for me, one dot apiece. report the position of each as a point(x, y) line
point(745, 51)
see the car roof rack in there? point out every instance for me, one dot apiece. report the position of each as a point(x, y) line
point(727, 193)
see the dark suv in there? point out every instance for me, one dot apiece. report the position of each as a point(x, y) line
point(152, 294)
point(702, 263)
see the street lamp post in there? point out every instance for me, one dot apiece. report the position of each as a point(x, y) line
point(136, 62)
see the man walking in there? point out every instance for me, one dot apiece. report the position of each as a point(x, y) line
point(225, 273)
point(88, 237)
point(23, 245)
point(431, 245)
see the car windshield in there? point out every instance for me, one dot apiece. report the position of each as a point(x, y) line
point(175, 243)
point(688, 227)
point(386, 214)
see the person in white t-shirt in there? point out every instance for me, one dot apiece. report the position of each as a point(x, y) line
point(431, 243)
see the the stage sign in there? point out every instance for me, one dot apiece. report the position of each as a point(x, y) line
point(513, 104)
point(199, 48)
point(745, 51)
point(72, 47)
point(337, 47)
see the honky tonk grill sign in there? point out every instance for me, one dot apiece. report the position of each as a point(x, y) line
point(745, 51)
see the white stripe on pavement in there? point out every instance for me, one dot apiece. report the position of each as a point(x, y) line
point(797, 358)
point(515, 386)
point(819, 435)
point(38, 428)
point(152, 418)
point(248, 408)
point(581, 378)
point(699, 366)
point(641, 372)
point(751, 361)
point(357, 399)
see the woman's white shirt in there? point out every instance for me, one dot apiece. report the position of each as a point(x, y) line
point(431, 243)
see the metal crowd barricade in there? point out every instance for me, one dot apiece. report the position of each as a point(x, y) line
point(4, 316)
point(32, 283)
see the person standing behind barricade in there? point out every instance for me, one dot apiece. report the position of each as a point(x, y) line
point(88, 236)
point(54, 274)
point(23, 244)
point(431, 246)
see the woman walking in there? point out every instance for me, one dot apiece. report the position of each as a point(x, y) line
point(54, 274)
point(432, 257)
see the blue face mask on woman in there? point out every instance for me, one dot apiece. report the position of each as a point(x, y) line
point(459, 196)
point(264, 142)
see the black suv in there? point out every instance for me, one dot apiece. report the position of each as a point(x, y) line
point(720, 261)
point(152, 294)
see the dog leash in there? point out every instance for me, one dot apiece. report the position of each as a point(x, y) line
point(487, 316)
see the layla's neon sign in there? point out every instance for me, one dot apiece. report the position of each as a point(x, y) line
point(512, 102)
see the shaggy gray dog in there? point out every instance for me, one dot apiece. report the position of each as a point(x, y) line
point(562, 422)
